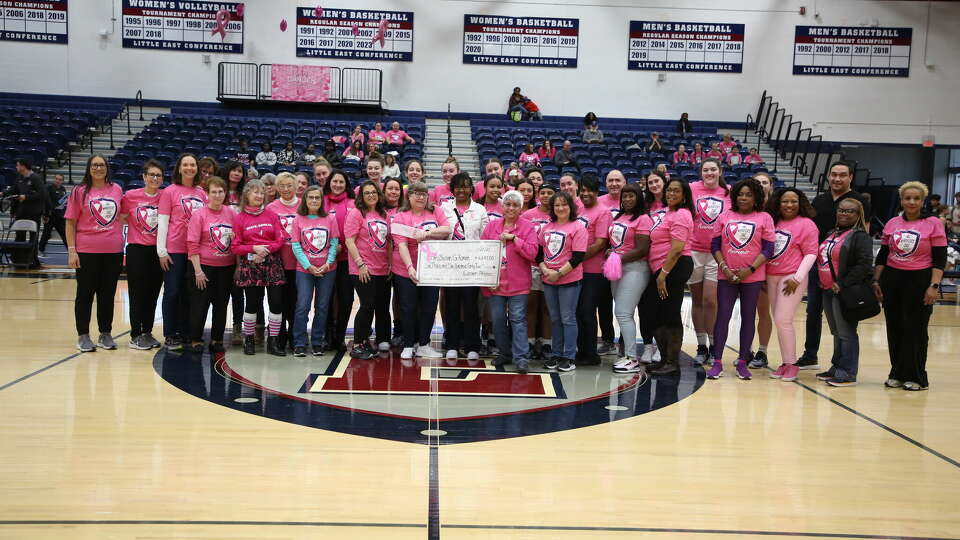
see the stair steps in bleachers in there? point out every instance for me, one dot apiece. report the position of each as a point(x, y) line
point(784, 171)
point(435, 149)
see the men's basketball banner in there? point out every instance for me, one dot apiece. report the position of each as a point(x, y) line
point(42, 22)
point(460, 263)
point(182, 26)
point(520, 41)
point(855, 51)
point(354, 34)
point(300, 83)
point(685, 46)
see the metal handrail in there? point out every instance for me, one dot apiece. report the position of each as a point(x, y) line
point(746, 128)
point(140, 102)
point(449, 133)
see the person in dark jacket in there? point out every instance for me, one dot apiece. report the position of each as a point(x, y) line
point(654, 145)
point(331, 154)
point(56, 204)
point(846, 253)
point(28, 192)
point(683, 125)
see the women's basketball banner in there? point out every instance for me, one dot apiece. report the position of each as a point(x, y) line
point(181, 26)
point(856, 51)
point(353, 34)
point(520, 41)
point(300, 83)
point(685, 46)
point(460, 263)
point(42, 22)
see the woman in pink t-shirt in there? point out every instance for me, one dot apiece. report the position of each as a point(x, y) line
point(178, 202)
point(413, 171)
point(697, 155)
point(95, 239)
point(563, 243)
point(367, 237)
point(546, 151)
point(354, 153)
point(681, 156)
point(394, 195)
point(528, 158)
point(418, 221)
point(144, 275)
point(338, 199)
point(316, 242)
point(377, 134)
point(285, 207)
point(539, 326)
point(213, 265)
point(357, 135)
point(910, 264)
point(492, 189)
point(743, 241)
point(527, 191)
point(443, 193)
point(235, 175)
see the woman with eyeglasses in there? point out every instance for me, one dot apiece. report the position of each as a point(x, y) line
point(235, 175)
point(144, 275)
point(316, 241)
point(539, 325)
point(286, 208)
point(337, 200)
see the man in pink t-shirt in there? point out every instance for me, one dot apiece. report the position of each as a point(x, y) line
point(396, 138)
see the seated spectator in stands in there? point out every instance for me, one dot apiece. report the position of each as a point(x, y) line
point(514, 173)
point(716, 152)
point(309, 155)
point(377, 134)
point(564, 156)
point(528, 157)
point(546, 151)
point(662, 169)
point(592, 135)
point(266, 158)
point(683, 125)
point(681, 155)
point(591, 120)
point(734, 157)
point(697, 155)
point(515, 102)
point(397, 137)
point(727, 143)
point(208, 167)
point(369, 150)
point(390, 169)
point(953, 215)
point(532, 110)
point(331, 154)
point(754, 157)
point(244, 155)
point(289, 155)
point(357, 135)
point(933, 206)
point(354, 153)
point(252, 173)
point(654, 145)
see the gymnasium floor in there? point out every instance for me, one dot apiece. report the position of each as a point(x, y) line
point(131, 444)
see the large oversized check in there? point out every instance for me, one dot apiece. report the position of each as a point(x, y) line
point(459, 263)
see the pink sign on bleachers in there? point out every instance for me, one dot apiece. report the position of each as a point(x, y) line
point(300, 83)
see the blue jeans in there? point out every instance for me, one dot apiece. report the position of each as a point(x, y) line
point(418, 306)
point(513, 308)
point(562, 303)
point(811, 343)
point(175, 304)
point(846, 342)
point(315, 290)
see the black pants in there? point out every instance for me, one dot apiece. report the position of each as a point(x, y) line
point(342, 305)
point(590, 291)
point(289, 303)
point(418, 306)
point(144, 279)
point(660, 312)
point(217, 292)
point(253, 297)
point(97, 276)
point(57, 222)
point(462, 316)
point(605, 310)
point(908, 319)
point(236, 304)
point(374, 300)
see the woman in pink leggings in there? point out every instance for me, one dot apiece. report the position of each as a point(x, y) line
point(794, 252)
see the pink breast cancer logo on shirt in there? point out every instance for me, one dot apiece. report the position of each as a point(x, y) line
point(781, 243)
point(618, 231)
point(314, 240)
point(221, 235)
point(555, 242)
point(103, 210)
point(378, 230)
point(657, 218)
point(740, 233)
point(709, 209)
point(147, 218)
point(428, 225)
point(905, 242)
point(190, 204)
point(286, 221)
point(458, 232)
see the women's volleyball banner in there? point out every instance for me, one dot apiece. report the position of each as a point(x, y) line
point(41, 22)
point(685, 46)
point(300, 83)
point(855, 51)
point(181, 26)
point(520, 41)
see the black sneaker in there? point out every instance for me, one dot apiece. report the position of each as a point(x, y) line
point(318, 350)
point(216, 347)
point(550, 363)
point(173, 343)
point(523, 367)
point(759, 360)
point(501, 360)
point(196, 348)
point(588, 361)
point(362, 352)
point(566, 365)
point(546, 350)
point(702, 355)
point(299, 352)
point(825, 375)
point(842, 381)
point(805, 362)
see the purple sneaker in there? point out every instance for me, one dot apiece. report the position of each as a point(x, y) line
point(716, 370)
point(742, 370)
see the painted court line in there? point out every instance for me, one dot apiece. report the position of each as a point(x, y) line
point(53, 365)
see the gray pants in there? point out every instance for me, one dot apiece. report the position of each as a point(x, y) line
point(626, 294)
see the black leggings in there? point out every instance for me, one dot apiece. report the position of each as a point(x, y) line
point(657, 312)
point(374, 299)
point(289, 302)
point(144, 279)
point(97, 276)
point(217, 292)
point(254, 299)
point(343, 300)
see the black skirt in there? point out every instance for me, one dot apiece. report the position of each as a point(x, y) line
point(265, 274)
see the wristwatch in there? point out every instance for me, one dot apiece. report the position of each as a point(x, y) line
point(935, 286)
point(752, 269)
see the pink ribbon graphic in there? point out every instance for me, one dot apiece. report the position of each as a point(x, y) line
point(318, 12)
point(381, 34)
point(428, 252)
point(355, 28)
point(283, 25)
point(240, 8)
point(223, 17)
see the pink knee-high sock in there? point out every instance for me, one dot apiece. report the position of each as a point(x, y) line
point(249, 323)
point(273, 323)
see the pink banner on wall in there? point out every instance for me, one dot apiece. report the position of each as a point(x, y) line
point(300, 83)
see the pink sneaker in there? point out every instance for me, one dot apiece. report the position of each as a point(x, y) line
point(790, 372)
point(716, 370)
point(779, 372)
point(742, 371)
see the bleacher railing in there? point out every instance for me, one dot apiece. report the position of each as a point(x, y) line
point(349, 85)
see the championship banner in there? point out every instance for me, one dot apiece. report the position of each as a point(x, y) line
point(856, 51)
point(182, 26)
point(520, 41)
point(354, 34)
point(685, 46)
point(459, 263)
point(41, 22)
point(300, 83)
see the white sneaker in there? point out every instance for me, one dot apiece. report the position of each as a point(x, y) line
point(647, 355)
point(426, 351)
point(406, 353)
point(632, 366)
point(656, 354)
point(622, 362)
point(384, 346)
point(472, 355)
point(452, 354)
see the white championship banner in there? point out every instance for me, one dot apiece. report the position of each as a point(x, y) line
point(459, 263)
